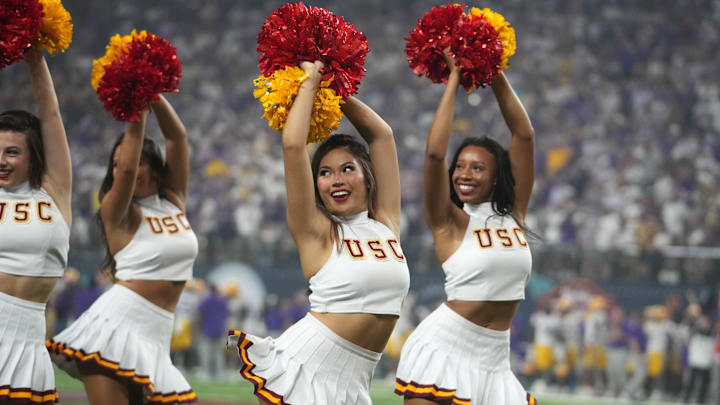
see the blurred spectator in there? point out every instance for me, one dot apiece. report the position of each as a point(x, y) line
point(213, 313)
point(700, 360)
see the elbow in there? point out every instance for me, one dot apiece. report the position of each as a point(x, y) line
point(435, 155)
point(291, 147)
point(527, 134)
point(126, 172)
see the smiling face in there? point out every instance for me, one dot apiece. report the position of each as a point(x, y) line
point(14, 159)
point(474, 174)
point(146, 180)
point(341, 183)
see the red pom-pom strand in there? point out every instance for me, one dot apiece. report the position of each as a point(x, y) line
point(20, 22)
point(150, 67)
point(295, 33)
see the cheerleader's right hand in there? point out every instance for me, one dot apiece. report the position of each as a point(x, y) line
point(450, 60)
point(314, 72)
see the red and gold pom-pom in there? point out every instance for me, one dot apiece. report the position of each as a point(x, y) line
point(481, 43)
point(296, 33)
point(435, 31)
point(137, 72)
point(478, 52)
point(20, 22)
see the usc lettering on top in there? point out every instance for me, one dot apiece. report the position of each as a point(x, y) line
point(25, 211)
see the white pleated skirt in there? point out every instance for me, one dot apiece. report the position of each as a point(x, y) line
point(26, 372)
point(128, 337)
point(449, 358)
point(308, 364)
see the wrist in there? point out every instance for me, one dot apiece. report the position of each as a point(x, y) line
point(310, 83)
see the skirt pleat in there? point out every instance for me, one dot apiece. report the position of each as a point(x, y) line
point(26, 372)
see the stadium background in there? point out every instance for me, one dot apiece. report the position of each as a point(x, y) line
point(624, 98)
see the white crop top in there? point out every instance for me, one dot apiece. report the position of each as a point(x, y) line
point(164, 246)
point(34, 237)
point(368, 275)
point(493, 261)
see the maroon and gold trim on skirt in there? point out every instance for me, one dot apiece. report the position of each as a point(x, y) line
point(264, 394)
point(27, 396)
point(531, 399)
point(432, 392)
point(154, 398)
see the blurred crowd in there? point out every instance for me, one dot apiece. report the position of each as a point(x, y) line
point(588, 343)
point(623, 96)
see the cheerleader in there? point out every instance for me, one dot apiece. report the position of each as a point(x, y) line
point(120, 346)
point(35, 220)
point(344, 214)
point(460, 353)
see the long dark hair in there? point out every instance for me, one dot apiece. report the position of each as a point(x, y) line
point(503, 194)
point(361, 154)
point(28, 124)
point(152, 155)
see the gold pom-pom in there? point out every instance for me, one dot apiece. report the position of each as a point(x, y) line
point(277, 93)
point(506, 33)
point(56, 30)
point(116, 47)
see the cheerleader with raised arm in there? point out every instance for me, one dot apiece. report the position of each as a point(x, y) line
point(476, 211)
point(344, 214)
point(120, 346)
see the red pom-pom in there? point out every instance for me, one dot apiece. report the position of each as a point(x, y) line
point(478, 52)
point(20, 22)
point(295, 33)
point(435, 31)
point(150, 67)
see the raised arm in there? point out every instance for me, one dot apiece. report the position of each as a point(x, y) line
point(522, 149)
point(383, 154)
point(58, 176)
point(440, 212)
point(176, 148)
point(304, 219)
point(116, 203)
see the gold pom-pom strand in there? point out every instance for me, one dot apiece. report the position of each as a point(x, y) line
point(277, 92)
point(56, 30)
point(506, 33)
point(116, 48)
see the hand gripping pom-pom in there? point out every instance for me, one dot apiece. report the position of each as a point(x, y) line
point(278, 91)
point(436, 31)
point(19, 25)
point(56, 30)
point(148, 66)
point(296, 33)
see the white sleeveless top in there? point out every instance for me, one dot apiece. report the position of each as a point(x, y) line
point(493, 261)
point(164, 246)
point(34, 237)
point(368, 275)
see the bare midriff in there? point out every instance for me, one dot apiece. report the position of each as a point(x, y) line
point(496, 315)
point(29, 288)
point(370, 331)
point(162, 293)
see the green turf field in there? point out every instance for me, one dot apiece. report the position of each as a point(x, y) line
point(241, 393)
